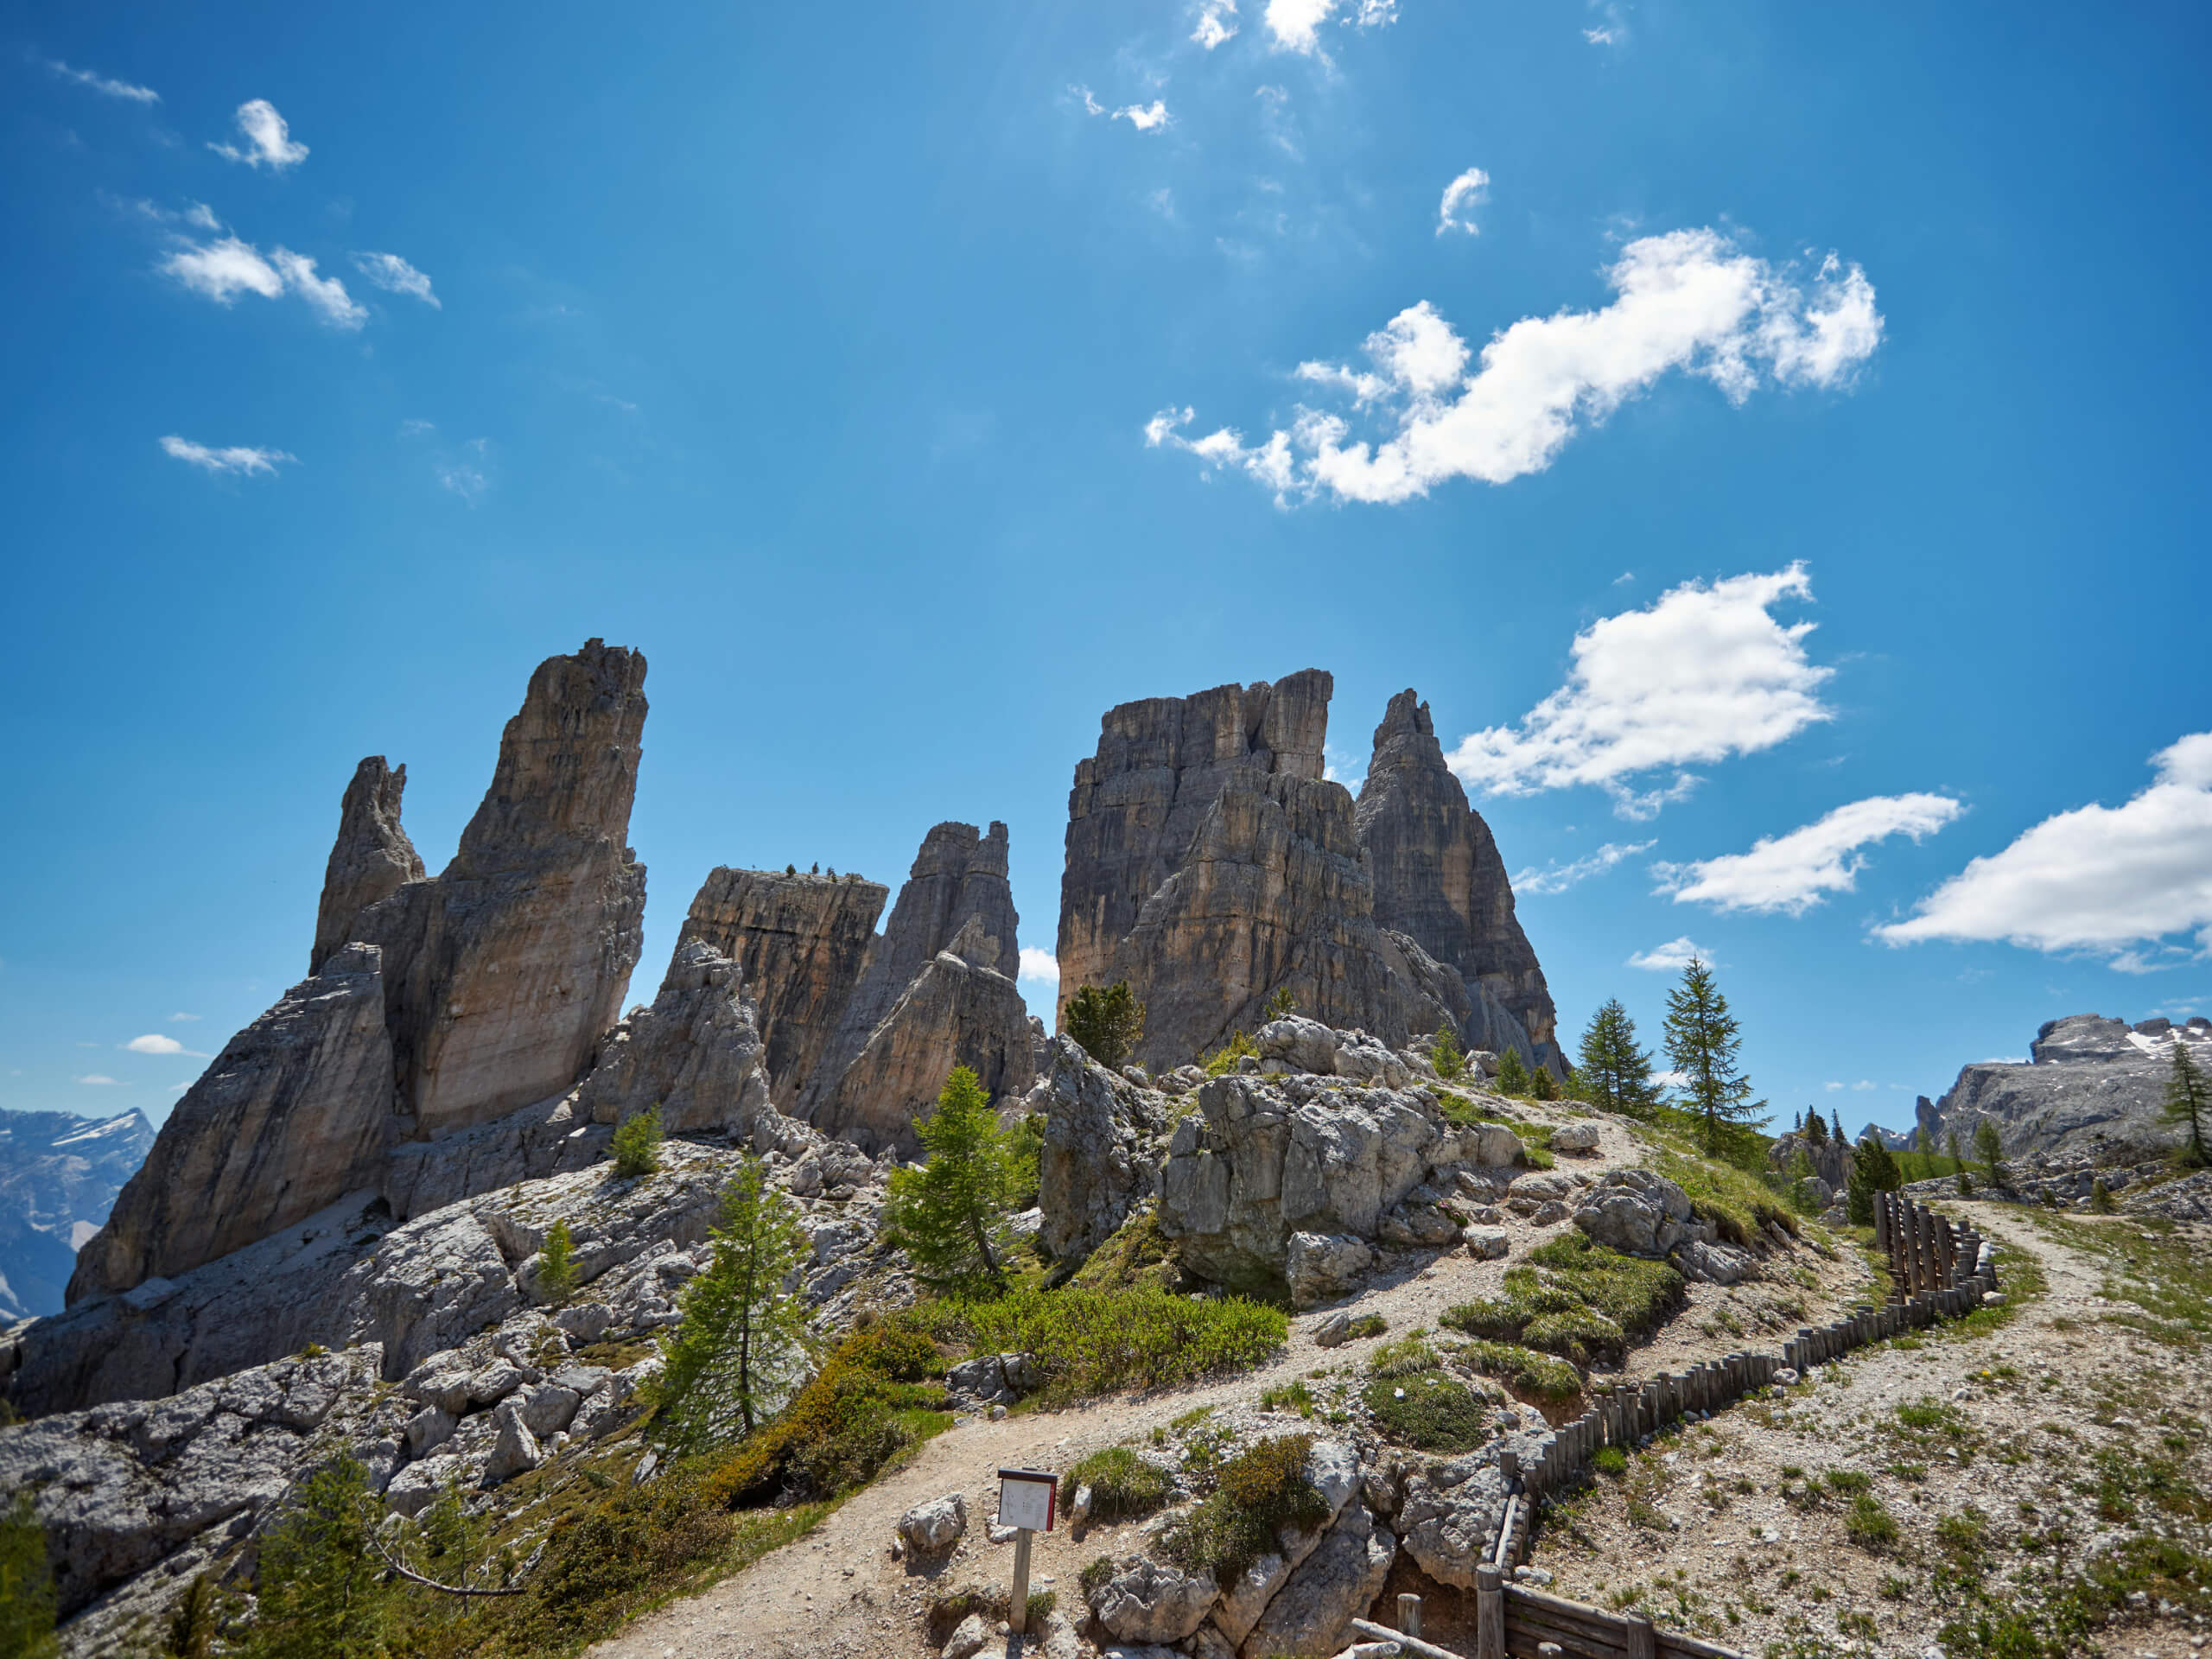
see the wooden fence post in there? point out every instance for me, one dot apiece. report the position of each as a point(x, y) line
point(1490, 1613)
point(1409, 1614)
point(1642, 1640)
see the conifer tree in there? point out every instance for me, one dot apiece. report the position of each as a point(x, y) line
point(1835, 1127)
point(1989, 1146)
point(1815, 1131)
point(320, 1588)
point(1444, 1053)
point(556, 1262)
point(1959, 1164)
point(1512, 1073)
point(1108, 1022)
point(2189, 1102)
point(733, 1351)
point(950, 1216)
point(1541, 1084)
point(27, 1604)
point(1703, 1043)
point(1615, 1073)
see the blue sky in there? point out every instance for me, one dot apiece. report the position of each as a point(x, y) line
point(840, 360)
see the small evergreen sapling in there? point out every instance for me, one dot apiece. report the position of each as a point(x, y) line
point(1542, 1085)
point(1108, 1022)
point(2189, 1102)
point(1444, 1053)
point(637, 1144)
point(1989, 1146)
point(1280, 1006)
point(950, 1216)
point(556, 1263)
point(1512, 1074)
point(1959, 1163)
point(734, 1351)
point(1615, 1075)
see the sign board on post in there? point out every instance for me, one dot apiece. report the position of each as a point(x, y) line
point(1027, 1498)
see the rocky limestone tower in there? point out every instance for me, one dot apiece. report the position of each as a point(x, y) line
point(800, 942)
point(937, 990)
point(294, 1114)
point(501, 973)
point(1209, 865)
point(371, 859)
point(1437, 875)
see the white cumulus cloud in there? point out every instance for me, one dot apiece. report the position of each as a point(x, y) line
point(154, 1043)
point(1558, 878)
point(1672, 956)
point(1296, 25)
point(1689, 302)
point(269, 140)
point(1217, 23)
point(2117, 881)
point(1461, 197)
point(105, 88)
point(1793, 872)
point(222, 271)
point(326, 296)
point(1040, 965)
point(1702, 673)
point(1145, 118)
point(240, 461)
point(395, 275)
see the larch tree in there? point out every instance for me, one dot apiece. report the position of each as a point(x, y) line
point(1703, 1044)
point(950, 1216)
point(1616, 1073)
point(2189, 1102)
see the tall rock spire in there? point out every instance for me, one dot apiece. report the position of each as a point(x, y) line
point(370, 858)
point(1437, 875)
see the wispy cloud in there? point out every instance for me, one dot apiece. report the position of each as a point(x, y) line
point(1558, 878)
point(1689, 302)
point(1611, 28)
point(1795, 872)
point(198, 214)
point(395, 275)
point(1089, 101)
point(1461, 197)
point(1041, 965)
point(1145, 118)
point(1672, 956)
point(99, 1081)
point(467, 476)
point(1296, 25)
point(221, 271)
point(1702, 673)
point(2122, 882)
point(102, 84)
point(178, 1019)
point(269, 140)
point(1217, 23)
point(241, 461)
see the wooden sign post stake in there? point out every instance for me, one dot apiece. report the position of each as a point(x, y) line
point(1028, 1499)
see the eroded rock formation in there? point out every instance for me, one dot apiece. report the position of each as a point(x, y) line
point(371, 858)
point(295, 1113)
point(1439, 877)
point(800, 942)
point(1210, 865)
point(695, 1053)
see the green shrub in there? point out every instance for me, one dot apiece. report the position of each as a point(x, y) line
point(1123, 1486)
point(1224, 1059)
point(1367, 1324)
point(1255, 1495)
point(556, 1263)
point(1428, 1410)
point(1097, 1573)
point(1136, 1256)
point(1527, 1373)
point(1849, 1481)
point(1444, 1053)
point(1293, 1396)
point(637, 1144)
point(1610, 1460)
point(1867, 1524)
point(1576, 1298)
point(1512, 1073)
point(1087, 1343)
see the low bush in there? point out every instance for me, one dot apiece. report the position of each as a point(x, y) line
point(1224, 1059)
point(1087, 1343)
point(873, 1398)
point(1578, 1300)
point(1526, 1373)
point(1293, 1396)
point(1426, 1410)
point(1096, 1574)
point(1123, 1486)
point(1867, 1524)
point(1136, 1256)
point(1367, 1324)
point(1255, 1495)
point(1610, 1460)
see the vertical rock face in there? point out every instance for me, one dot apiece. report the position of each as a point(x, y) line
point(1437, 875)
point(1209, 865)
point(294, 1114)
point(371, 859)
point(937, 990)
point(501, 974)
point(695, 1053)
point(800, 942)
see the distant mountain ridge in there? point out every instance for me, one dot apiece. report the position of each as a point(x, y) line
point(58, 1176)
point(2092, 1085)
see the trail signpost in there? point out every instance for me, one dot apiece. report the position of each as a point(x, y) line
point(1028, 1501)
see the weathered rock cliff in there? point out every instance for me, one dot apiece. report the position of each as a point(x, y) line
point(695, 1053)
point(501, 975)
point(1437, 875)
point(371, 858)
point(801, 941)
point(296, 1112)
point(2092, 1086)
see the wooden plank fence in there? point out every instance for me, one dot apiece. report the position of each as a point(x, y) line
point(1943, 1271)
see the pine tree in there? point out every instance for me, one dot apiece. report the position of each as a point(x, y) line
point(1107, 1021)
point(1280, 1006)
point(637, 1143)
point(1616, 1074)
point(950, 1216)
point(322, 1590)
point(1541, 1084)
point(733, 1351)
point(556, 1263)
point(2189, 1102)
point(1703, 1042)
point(1512, 1074)
point(1835, 1127)
point(1444, 1053)
point(1815, 1131)
point(27, 1604)
point(1959, 1164)
point(196, 1620)
point(1923, 1143)
point(1989, 1146)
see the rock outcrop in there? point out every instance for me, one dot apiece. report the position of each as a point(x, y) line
point(1439, 879)
point(371, 860)
point(59, 1174)
point(296, 1112)
point(445, 1006)
point(1101, 1157)
point(502, 972)
point(695, 1053)
point(2092, 1086)
point(800, 941)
